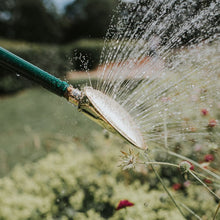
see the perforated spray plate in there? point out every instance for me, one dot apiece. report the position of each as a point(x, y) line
point(116, 116)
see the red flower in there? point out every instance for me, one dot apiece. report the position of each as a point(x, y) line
point(209, 157)
point(207, 181)
point(191, 167)
point(123, 204)
point(212, 123)
point(204, 112)
point(176, 186)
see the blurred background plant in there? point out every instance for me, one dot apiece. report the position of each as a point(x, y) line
point(20, 19)
point(51, 38)
point(74, 183)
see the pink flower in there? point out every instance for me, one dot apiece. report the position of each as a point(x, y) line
point(198, 147)
point(186, 183)
point(176, 186)
point(204, 112)
point(123, 204)
point(165, 99)
point(209, 158)
point(212, 123)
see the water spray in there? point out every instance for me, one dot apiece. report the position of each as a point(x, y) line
point(94, 104)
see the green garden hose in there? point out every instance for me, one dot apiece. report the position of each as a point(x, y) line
point(28, 70)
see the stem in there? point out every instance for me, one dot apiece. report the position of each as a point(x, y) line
point(199, 174)
point(195, 163)
point(216, 212)
point(197, 178)
point(164, 186)
point(190, 210)
point(161, 163)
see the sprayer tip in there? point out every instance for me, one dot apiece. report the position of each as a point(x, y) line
point(116, 116)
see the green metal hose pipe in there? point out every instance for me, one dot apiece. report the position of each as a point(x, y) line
point(30, 71)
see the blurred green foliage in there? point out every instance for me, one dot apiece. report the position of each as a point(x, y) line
point(39, 21)
point(30, 20)
point(86, 54)
point(88, 18)
point(44, 56)
point(74, 183)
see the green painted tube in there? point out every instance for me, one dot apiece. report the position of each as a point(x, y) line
point(32, 72)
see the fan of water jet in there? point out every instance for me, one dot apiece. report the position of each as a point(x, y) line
point(150, 79)
point(161, 64)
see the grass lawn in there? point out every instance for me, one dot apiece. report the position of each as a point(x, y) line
point(34, 122)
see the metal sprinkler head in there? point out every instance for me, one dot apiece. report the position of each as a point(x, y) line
point(107, 112)
point(93, 103)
